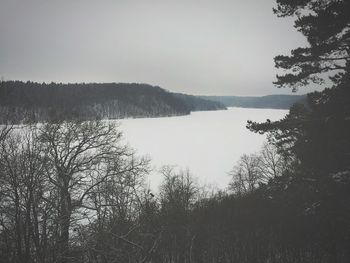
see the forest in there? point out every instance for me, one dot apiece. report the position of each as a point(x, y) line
point(70, 191)
point(263, 102)
point(31, 102)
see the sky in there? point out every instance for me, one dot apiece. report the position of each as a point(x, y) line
point(200, 47)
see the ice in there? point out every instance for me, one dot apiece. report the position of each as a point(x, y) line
point(208, 143)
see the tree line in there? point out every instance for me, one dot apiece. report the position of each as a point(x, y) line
point(261, 102)
point(30, 102)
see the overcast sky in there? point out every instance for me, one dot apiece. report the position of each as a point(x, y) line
point(216, 47)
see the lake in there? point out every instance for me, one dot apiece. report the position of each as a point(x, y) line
point(208, 143)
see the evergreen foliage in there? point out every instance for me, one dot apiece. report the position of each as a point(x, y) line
point(30, 102)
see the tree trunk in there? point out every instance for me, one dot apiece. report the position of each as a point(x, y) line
point(64, 225)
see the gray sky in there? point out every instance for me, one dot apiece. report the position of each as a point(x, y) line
point(216, 47)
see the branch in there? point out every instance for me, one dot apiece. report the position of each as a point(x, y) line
point(129, 242)
point(87, 191)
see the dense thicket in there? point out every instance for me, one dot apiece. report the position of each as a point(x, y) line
point(23, 102)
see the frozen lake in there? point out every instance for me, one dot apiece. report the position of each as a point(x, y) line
point(208, 143)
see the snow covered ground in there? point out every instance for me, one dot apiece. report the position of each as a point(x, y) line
point(208, 143)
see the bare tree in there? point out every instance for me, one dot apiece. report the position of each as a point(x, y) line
point(238, 183)
point(58, 178)
point(116, 204)
point(178, 194)
point(258, 168)
point(22, 185)
point(271, 163)
point(80, 157)
point(246, 174)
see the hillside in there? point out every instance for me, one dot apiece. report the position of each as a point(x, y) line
point(22, 102)
point(196, 103)
point(269, 102)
